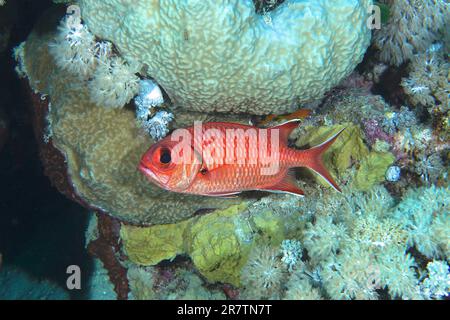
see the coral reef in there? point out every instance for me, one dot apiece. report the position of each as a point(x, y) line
point(423, 211)
point(292, 252)
point(437, 283)
point(155, 123)
point(301, 48)
point(149, 246)
point(393, 174)
point(158, 125)
point(218, 243)
point(356, 248)
point(373, 170)
point(348, 150)
point(101, 146)
point(106, 247)
point(149, 283)
point(385, 236)
point(427, 86)
point(112, 82)
point(427, 83)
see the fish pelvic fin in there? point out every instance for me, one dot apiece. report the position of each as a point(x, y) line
point(286, 185)
point(286, 128)
point(312, 159)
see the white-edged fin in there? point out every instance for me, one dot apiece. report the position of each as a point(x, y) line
point(282, 192)
point(222, 195)
point(286, 185)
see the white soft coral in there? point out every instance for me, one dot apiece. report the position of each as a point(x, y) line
point(74, 47)
point(114, 83)
point(413, 26)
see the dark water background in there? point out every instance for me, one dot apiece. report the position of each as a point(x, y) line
point(41, 232)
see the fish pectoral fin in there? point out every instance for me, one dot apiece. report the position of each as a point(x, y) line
point(287, 185)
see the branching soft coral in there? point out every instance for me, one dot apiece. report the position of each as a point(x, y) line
point(422, 212)
point(413, 26)
point(300, 288)
point(378, 234)
point(351, 275)
point(397, 273)
point(358, 241)
point(427, 84)
point(437, 283)
point(263, 274)
point(323, 238)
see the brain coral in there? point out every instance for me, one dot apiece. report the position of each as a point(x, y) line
point(102, 147)
point(223, 56)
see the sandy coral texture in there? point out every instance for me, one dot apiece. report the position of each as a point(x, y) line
point(223, 56)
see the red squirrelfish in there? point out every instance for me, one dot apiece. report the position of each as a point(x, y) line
point(224, 159)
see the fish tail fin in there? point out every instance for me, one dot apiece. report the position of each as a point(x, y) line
point(312, 159)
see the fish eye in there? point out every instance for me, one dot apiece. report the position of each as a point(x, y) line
point(165, 156)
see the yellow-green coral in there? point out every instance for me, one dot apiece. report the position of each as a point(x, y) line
point(215, 248)
point(372, 170)
point(218, 243)
point(148, 246)
point(269, 225)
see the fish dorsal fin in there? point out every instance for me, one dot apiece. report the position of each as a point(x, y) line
point(286, 128)
point(286, 185)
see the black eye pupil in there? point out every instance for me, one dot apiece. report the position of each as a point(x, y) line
point(165, 157)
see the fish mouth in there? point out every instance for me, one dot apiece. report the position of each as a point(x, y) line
point(147, 172)
point(151, 176)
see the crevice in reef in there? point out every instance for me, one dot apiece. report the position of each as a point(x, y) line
point(264, 6)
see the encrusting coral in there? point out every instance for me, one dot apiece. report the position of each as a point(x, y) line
point(243, 61)
point(218, 243)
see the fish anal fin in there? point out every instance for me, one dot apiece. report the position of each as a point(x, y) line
point(227, 195)
point(286, 128)
point(287, 185)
